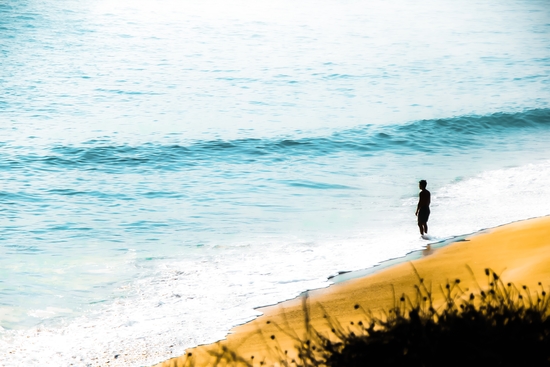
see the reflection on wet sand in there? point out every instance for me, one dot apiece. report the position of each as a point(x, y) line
point(428, 250)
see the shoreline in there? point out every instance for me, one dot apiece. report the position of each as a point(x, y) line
point(518, 251)
point(410, 256)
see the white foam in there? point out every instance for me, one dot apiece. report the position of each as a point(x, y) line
point(493, 198)
point(49, 312)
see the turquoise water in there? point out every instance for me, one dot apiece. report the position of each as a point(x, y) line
point(166, 167)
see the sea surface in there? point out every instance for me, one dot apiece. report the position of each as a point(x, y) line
point(166, 167)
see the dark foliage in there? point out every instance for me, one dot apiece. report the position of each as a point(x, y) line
point(499, 326)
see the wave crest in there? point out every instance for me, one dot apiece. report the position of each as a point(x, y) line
point(432, 136)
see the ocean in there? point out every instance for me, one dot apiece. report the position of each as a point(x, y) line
point(169, 166)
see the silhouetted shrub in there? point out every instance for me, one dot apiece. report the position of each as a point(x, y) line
point(499, 326)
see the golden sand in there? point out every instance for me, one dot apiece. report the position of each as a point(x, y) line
point(519, 252)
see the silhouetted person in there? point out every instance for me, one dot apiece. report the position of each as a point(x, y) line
point(423, 207)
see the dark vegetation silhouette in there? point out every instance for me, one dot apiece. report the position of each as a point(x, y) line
point(500, 325)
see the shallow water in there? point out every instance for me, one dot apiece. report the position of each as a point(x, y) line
point(168, 166)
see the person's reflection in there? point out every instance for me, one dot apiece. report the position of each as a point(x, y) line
point(428, 250)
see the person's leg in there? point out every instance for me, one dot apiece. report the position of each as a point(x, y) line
point(425, 227)
point(421, 227)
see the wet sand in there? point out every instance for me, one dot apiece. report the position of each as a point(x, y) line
point(519, 252)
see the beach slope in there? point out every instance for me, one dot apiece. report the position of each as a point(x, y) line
point(519, 252)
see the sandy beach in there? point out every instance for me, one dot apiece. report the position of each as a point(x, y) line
point(519, 252)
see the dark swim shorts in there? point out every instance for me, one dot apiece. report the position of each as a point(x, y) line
point(423, 215)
